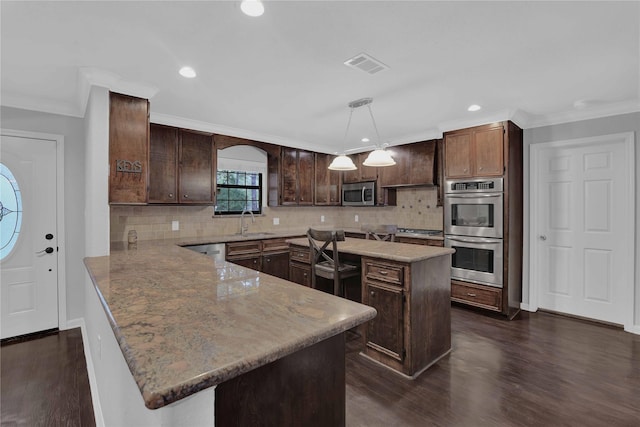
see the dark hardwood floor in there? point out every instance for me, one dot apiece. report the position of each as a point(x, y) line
point(44, 382)
point(538, 370)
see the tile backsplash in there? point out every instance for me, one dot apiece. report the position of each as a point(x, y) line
point(416, 208)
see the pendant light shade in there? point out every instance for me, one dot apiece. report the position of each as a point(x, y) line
point(379, 158)
point(342, 163)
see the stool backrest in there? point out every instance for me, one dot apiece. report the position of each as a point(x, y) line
point(385, 232)
point(319, 241)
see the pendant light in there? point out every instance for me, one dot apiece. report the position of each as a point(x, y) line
point(378, 157)
point(342, 162)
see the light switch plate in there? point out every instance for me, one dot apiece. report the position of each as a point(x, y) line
point(321, 218)
point(175, 225)
point(276, 221)
point(357, 218)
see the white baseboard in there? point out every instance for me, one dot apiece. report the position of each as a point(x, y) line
point(93, 384)
point(526, 307)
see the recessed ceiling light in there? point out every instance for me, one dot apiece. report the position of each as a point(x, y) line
point(365, 139)
point(474, 107)
point(252, 7)
point(187, 72)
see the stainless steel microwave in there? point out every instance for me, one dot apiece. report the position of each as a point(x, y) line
point(359, 194)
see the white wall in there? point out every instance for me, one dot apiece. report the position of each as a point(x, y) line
point(602, 126)
point(72, 130)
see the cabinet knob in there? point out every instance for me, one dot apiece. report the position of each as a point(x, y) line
point(171, 195)
point(305, 274)
point(373, 293)
point(268, 259)
point(186, 196)
point(255, 261)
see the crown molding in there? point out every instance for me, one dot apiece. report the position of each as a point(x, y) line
point(88, 77)
point(182, 122)
point(42, 105)
point(589, 113)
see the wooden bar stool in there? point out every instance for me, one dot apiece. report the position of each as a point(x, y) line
point(385, 232)
point(325, 259)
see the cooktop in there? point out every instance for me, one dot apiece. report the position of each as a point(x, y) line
point(419, 231)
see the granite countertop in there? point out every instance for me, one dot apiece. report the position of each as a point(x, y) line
point(402, 252)
point(185, 322)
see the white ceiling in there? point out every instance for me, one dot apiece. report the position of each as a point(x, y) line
point(280, 77)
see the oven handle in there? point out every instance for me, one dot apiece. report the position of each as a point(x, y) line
point(489, 241)
point(363, 188)
point(474, 196)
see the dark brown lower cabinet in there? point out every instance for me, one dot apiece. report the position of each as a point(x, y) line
point(412, 329)
point(250, 261)
point(300, 265)
point(385, 331)
point(270, 256)
point(306, 388)
point(276, 264)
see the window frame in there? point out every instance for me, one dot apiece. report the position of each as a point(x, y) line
point(258, 188)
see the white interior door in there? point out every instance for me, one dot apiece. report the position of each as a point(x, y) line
point(582, 228)
point(29, 294)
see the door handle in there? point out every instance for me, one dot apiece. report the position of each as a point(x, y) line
point(543, 237)
point(48, 250)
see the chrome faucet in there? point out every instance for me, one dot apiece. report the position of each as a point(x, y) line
point(244, 227)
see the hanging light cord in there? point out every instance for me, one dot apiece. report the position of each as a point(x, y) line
point(344, 139)
point(379, 145)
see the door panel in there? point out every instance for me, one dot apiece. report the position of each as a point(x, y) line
point(582, 232)
point(29, 295)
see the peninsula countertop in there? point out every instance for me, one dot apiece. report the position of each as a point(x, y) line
point(185, 322)
point(402, 252)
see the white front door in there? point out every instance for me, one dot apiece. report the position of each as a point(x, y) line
point(582, 227)
point(29, 297)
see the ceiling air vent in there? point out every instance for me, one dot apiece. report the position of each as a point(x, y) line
point(366, 63)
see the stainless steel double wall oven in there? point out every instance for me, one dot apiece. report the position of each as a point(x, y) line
point(473, 226)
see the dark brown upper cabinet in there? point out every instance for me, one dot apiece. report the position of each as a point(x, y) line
point(474, 152)
point(128, 149)
point(415, 165)
point(362, 173)
point(327, 182)
point(182, 166)
point(297, 176)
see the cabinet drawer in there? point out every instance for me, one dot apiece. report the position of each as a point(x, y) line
point(242, 248)
point(477, 295)
point(275, 245)
point(300, 254)
point(390, 273)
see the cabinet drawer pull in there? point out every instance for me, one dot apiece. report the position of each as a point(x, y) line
point(383, 272)
point(469, 294)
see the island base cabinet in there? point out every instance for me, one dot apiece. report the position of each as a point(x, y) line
point(412, 330)
point(306, 388)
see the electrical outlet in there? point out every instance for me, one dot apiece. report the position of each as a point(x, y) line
point(357, 218)
point(175, 225)
point(276, 221)
point(321, 218)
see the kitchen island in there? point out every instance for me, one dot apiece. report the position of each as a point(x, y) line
point(185, 323)
point(410, 287)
